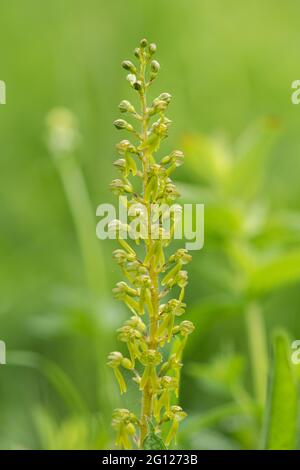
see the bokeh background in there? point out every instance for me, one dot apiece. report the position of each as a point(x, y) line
point(229, 66)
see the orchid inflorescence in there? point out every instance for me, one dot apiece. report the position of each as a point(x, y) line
point(154, 338)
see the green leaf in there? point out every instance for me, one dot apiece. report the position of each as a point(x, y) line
point(207, 157)
point(251, 152)
point(152, 441)
point(213, 309)
point(54, 374)
point(208, 419)
point(278, 271)
point(281, 410)
point(222, 375)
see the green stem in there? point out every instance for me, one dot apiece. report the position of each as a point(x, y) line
point(80, 206)
point(93, 259)
point(258, 350)
point(147, 394)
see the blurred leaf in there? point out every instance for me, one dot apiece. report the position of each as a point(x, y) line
point(257, 343)
point(152, 441)
point(207, 157)
point(221, 375)
point(78, 197)
point(223, 220)
point(278, 271)
point(212, 439)
point(192, 193)
point(243, 258)
point(213, 309)
point(207, 419)
point(280, 228)
point(251, 152)
point(71, 433)
point(56, 376)
point(281, 410)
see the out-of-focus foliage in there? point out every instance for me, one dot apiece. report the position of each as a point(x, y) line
point(229, 64)
point(281, 409)
point(251, 262)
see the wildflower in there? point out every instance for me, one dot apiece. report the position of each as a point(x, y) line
point(152, 323)
point(167, 386)
point(116, 360)
point(150, 360)
point(175, 415)
point(124, 423)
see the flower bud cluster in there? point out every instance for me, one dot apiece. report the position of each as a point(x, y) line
point(151, 276)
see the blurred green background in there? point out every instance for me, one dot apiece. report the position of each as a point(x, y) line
point(229, 66)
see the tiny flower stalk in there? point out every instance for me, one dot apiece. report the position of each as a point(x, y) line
point(145, 181)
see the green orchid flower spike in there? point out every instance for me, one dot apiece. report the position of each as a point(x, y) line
point(153, 335)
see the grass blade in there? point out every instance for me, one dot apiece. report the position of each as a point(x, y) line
point(54, 374)
point(281, 411)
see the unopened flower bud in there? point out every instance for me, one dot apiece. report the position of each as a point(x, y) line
point(165, 97)
point(138, 85)
point(155, 66)
point(152, 48)
point(128, 65)
point(125, 106)
point(126, 363)
point(122, 124)
point(131, 78)
point(144, 43)
point(137, 52)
